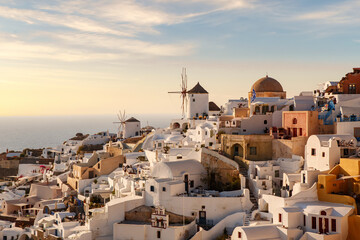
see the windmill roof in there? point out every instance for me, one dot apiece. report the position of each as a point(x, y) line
point(197, 89)
point(213, 107)
point(132, 119)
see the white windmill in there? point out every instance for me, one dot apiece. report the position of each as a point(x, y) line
point(122, 118)
point(183, 91)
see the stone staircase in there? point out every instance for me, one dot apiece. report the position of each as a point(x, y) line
point(243, 171)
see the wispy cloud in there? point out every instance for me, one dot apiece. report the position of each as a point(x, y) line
point(344, 12)
point(70, 21)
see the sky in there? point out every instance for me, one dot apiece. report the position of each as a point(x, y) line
point(77, 57)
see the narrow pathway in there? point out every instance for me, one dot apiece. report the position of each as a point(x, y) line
point(243, 171)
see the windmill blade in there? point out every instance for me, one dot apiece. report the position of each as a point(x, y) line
point(175, 92)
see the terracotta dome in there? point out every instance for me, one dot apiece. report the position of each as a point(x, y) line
point(267, 84)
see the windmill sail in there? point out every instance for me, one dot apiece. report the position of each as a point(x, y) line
point(183, 92)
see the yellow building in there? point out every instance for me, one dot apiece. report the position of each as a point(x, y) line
point(342, 185)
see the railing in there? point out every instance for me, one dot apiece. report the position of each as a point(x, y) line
point(208, 223)
point(352, 118)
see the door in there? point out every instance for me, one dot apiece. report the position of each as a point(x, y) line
point(91, 174)
point(326, 225)
point(186, 182)
point(202, 217)
point(236, 150)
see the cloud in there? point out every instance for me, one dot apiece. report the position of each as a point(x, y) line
point(105, 30)
point(70, 21)
point(113, 44)
point(87, 47)
point(346, 12)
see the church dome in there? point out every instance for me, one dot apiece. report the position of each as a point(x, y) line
point(267, 84)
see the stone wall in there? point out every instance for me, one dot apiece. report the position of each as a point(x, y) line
point(9, 168)
point(226, 170)
point(285, 148)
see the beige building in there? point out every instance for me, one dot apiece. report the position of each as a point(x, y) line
point(97, 166)
point(249, 147)
point(261, 147)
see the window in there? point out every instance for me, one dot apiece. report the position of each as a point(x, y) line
point(152, 188)
point(265, 121)
point(252, 150)
point(205, 132)
point(239, 234)
point(313, 222)
point(304, 221)
point(357, 133)
point(346, 152)
point(203, 207)
point(272, 108)
point(300, 133)
point(294, 121)
point(158, 234)
point(193, 99)
point(192, 183)
point(313, 152)
point(198, 132)
point(277, 173)
point(323, 213)
point(280, 217)
point(98, 165)
point(352, 89)
point(164, 189)
point(265, 109)
point(333, 225)
point(323, 154)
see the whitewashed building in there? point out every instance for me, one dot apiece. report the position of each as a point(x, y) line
point(323, 152)
point(132, 128)
point(198, 102)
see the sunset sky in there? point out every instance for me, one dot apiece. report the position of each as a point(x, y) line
point(96, 57)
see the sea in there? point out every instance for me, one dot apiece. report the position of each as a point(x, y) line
point(20, 132)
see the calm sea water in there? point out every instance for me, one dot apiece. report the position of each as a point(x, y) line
point(17, 133)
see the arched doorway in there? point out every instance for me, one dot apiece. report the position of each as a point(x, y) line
point(176, 125)
point(237, 150)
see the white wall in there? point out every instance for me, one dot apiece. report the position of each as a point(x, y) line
point(200, 106)
point(255, 124)
point(114, 211)
point(147, 232)
point(346, 128)
point(216, 208)
point(131, 128)
point(229, 223)
point(318, 162)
